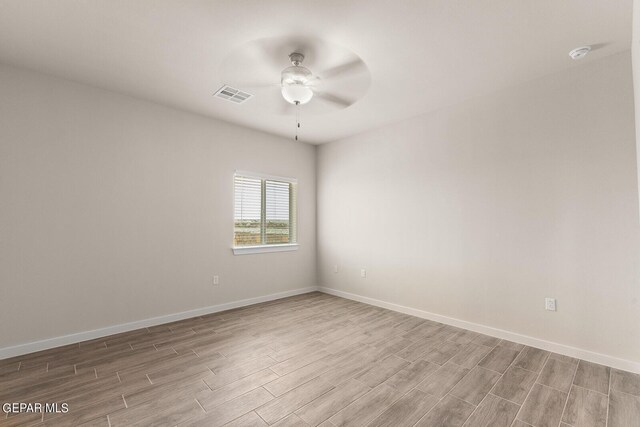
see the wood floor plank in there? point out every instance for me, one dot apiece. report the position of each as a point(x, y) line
point(189, 386)
point(163, 364)
point(29, 376)
point(288, 352)
point(463, 337)
point(382, 370)
point(294, 363)
point(389, 347)
point(624, 410)
point(79, 416)
point(450, 412)
point(22, 420)
point(563, 358)
point(348, 369)
point(593, 376)
point(412, 375)
point(210, 399)
point(586, 408)
point(291, 421)
point(126, 360)
point(532, 359)
point(486, 340)
point(499, 359)
point(475, 385)
point(511, 345)
point(250, 419)
point(234, 373)
point(96, 422)
point(406, 411)
point(443, 380)
point(151, 412)
point(470, 355)
point(325, 406)
point(283, 384)
point(36, 388)
point(172, 374)
point(424, 331)
point(493, 412)
point(58, 390)
point(416, 350)
point(8, 367)
point(232, 409)
point(366, 408)
point(410, 323)
point(291, 401)
point(515, 384)
point(543, 407)
point(442, 352)
point(172, 416)
point(93, 392)
point(626, 382)
point(557, 374)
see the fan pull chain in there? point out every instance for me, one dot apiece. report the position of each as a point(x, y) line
point(297, 118)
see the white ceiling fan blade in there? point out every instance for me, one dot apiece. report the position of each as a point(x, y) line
point(264, 52)
point(334, 99)
point(351, 68)
point(252, 85)
point(254, 65)
point(313, 82)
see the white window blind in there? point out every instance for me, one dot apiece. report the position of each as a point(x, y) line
point(265, 210)
point(247, 218)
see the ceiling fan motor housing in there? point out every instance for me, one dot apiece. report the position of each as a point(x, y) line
point(296, 58)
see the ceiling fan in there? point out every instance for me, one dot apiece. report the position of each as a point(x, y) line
point(339, 78)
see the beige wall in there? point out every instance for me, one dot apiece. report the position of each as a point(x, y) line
point(114, 210)
point(479, 211)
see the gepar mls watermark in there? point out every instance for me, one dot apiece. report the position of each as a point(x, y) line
point(34, 407)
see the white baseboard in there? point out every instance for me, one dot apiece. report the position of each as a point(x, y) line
point(116, 329)
point(590, 356)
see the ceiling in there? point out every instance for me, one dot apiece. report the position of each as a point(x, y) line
point(421, 55)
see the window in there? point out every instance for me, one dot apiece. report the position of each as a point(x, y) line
point(264, 213)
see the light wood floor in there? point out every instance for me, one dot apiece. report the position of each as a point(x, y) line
point(314, 360)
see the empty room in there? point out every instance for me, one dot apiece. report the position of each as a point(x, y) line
point(320, 213)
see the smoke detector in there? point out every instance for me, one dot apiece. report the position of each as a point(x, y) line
point(579, 52)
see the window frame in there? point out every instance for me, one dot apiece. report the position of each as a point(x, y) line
point(266, 247)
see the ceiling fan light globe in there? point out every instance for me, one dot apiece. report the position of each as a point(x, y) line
point(296, 93)
point(295, 74)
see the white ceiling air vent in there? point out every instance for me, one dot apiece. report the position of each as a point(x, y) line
point(233, 95)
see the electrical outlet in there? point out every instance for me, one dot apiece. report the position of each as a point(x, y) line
point(363, 273)
point(550, 304)
point(216, 280)
point(335, 268)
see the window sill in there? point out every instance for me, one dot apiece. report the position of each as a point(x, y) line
point(246, 250)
